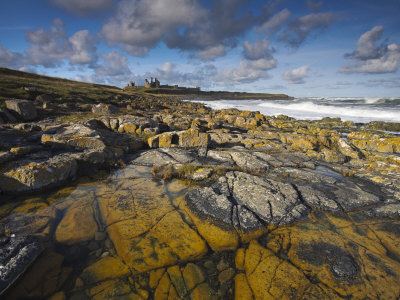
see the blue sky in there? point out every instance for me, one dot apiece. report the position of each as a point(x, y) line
point(301, 48)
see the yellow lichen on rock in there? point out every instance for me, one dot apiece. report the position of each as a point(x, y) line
point(218, 238)
point(105, 268)
point(271, 277)
point(242, 288)
point(78, 224)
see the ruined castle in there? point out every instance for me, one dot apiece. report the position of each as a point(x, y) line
point(151, 84)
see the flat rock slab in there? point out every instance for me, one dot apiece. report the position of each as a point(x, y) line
point(248, 202)
point(16, 255)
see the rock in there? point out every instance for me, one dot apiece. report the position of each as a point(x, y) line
point(78, 225)
point(44, 98)
point(226, 275)
point(16, 255)
point(164, 156)
point(105, 109)
point(28, 175)
point(386, 211)
point(250, 198)
point(103, 269)
point(141, 217)
point(202, 174)
point(100, 236)
point(25, 109)
point(7, 116)
point(193, 138)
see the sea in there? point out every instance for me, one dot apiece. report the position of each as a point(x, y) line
point(356, 109)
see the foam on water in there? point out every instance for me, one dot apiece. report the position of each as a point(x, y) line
point(356, 109)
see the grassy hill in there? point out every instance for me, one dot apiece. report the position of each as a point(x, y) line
point(23, 85)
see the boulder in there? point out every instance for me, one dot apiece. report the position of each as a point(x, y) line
point(7, 116)
point(247, 202)
point(25, 109)
point(16, 255)
point(105, 109)
point(28, 175)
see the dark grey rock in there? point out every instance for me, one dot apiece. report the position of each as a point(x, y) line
point(25, 109)
point(248, 201)
point(7, 116)
point(344, 267)
point(164, 156)
point(16, 255)
point(387, 211)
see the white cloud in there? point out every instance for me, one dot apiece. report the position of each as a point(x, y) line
point(372, 58)
point(246, 72)
point(276, 22)
point(211, 52)
point(296, 76)
point(258, 50)
point(50, 48)
point(140, 25)
point(298, 30)
point(9, 58)
point(114, 64)
point(82, 7)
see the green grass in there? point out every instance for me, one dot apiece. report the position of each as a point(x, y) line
point(12, 82)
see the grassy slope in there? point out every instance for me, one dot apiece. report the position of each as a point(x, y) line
point(12, 82)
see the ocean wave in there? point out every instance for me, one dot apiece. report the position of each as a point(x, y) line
point(361, 100)
point(312, 109)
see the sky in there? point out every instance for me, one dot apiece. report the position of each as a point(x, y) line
point(303, 48)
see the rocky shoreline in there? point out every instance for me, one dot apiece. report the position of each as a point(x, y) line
point(248, 177)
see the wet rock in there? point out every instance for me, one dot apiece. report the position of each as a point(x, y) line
point(226, 275)
point(103, 269)
point(256, 199)
point(78, 224)
point(25, 109)
point(16, 255)
point(105, 109)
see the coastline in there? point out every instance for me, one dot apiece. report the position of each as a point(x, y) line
point(159, 186)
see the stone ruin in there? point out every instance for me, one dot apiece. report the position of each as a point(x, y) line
point(152, 84)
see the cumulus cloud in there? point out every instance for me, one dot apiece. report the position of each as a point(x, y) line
point(169, 73)
point(9, 58)
point(258, 50)
point(140, 26)
point(206, 33)
point(296, 76)
point(276, 22)
point(114, 64)
point(298, 30)
point(50, 48)
point(211, 52)
point(372, 58)
point(246, 72)
point(82, 7)
point(219, 25)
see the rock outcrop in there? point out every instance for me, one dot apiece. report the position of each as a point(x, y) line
point(24, 109)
